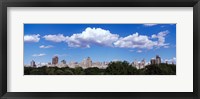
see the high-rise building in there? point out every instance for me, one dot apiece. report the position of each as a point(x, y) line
point(143, 63)
point(158, 60)
point(63, 62)
point(172, 62)
point(55, 60)
point(49, 63)
point(135, 63)
point(88, 62)
point(83, 63)
point(166, 62)
point(33, 63)
point(153, 61)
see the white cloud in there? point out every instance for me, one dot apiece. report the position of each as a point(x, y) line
point(142, 41)
point(92, 36)
point(55, 38)
point(116, 60)
point(171, 60)
point(61, 55)
point(139, 51)
point(38, 55)
point(135, 41)
point(161, 38)
point(166, 46)
point(148, 25)
point(32, 38)
point(162, 26)
point(102, 37)
point(43, 46)
point(131, 50)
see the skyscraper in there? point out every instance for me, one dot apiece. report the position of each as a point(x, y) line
point(63, 62)
point(153, 61)
point(55, 60)
point(166, 62)
point(88, 62)
point(158, 60)
point(33, 63)
point(143, 63)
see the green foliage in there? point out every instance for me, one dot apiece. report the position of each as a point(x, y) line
point(78, 70)
point(120, 68)
point(161, 69)
point(114, 68)
point(93, 71)
point(59, 72)
point(68, 72)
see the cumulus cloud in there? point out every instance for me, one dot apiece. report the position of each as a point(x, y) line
point(166, 46)
point(38, 55)
point(161, 38)
point(43, 46)
point(139, 51)
point(135, 41)
point(171, 60)
point(61, 55)
point(55, 38)
point(101, 37)
point(92, 36)
point(131, 50)
point(148, 25)
point(32, 38)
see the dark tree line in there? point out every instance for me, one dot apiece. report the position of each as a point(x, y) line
point(114, 68)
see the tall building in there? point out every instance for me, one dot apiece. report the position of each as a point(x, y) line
point(49, 63)
point(135, 63)
point(172, 62)
point(143, 63)
point(33, 63)
point(158, 60)
point(139, 65)
point(153, 61)
point(88, 62)
point(166, 62)
point(83, 63)
point(63, 62)
point(55, 60)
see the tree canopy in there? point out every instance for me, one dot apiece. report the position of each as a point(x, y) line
point(114, 68)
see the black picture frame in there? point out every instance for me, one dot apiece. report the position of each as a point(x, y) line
point(99, 3)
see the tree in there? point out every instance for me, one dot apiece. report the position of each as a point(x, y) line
point(27, 70)
point(118, 68)
point(114, 68)
point(68, 72)
point(78, 70)
point(152, 70)
point(50, 71)
point(59, 72)
point(92, 71)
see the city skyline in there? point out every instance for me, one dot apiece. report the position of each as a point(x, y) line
point(102, 42)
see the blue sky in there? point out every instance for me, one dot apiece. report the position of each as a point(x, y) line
point(101, 42)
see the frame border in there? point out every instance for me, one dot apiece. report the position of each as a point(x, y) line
point(99, 3)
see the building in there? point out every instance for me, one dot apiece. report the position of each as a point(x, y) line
point(153, 61)
point(142, 63)
point(172, 62)
point(139, 65)
point(88, 62)
point(55, 60)
point(33, 63)
point(63, 62)
point(49, 63)
point(135, 63)
point(158, 60)
point(166, 62)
